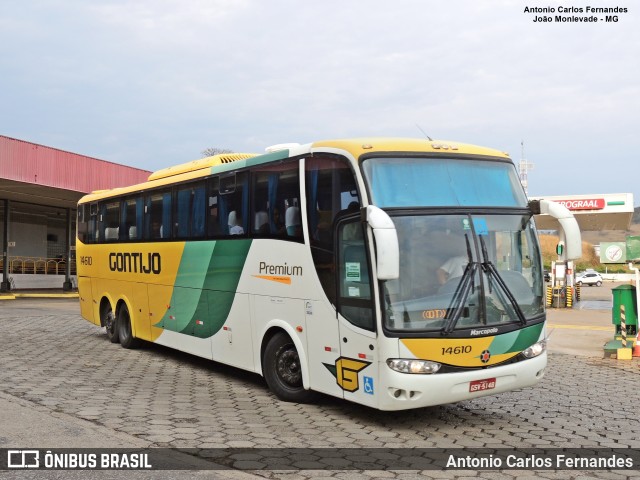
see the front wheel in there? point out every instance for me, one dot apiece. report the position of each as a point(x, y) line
point(598, 283)
point(127, 340)
point(282, 370)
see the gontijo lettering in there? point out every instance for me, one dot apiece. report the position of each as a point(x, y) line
point(135, 262)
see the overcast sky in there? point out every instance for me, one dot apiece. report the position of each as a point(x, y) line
point(152, 83)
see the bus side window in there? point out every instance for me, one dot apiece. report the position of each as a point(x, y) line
point(109, 222)
point(132, 214)
point(214, 221)
point(260, 188)
point(83, 223)
point(293, 222)
point(233, 204)
point(93, 223)
point(158, 215)
point(190, 211)
point(354, 281)
point(275, 194)
point(331, 188)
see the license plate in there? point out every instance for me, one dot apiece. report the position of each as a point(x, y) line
point(480, 385)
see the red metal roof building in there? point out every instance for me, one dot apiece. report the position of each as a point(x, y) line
point(39, 189)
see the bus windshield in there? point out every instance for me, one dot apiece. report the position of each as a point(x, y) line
point(450, 182)
point(464, 271)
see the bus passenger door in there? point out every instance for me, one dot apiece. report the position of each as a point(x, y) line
point(357, 371)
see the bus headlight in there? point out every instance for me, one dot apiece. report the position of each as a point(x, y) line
point(535, 349)
point(405, 365)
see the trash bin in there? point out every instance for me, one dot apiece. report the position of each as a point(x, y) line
point(625, 295)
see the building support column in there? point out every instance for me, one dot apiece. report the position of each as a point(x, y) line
point(67, 286)
point(5, 286)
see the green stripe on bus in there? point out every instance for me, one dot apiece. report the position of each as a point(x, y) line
point(516, 341)
point(206, 284)
point(268, 157)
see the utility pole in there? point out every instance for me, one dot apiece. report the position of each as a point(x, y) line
point(524, 168)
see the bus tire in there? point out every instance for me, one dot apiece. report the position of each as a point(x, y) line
point(110, 323)
point(127, 340)
point(282, 370)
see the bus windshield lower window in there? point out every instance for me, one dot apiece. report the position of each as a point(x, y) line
point(435, 253)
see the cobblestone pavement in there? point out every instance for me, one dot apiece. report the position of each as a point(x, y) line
point(55, 359)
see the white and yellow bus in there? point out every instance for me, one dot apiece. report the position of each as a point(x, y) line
point(395, 273)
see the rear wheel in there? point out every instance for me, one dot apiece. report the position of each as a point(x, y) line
point(598, 283)
point(282, 370)
point(127, 340)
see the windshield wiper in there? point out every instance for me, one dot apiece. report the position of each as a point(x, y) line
point(490, 269)
point(460, 295)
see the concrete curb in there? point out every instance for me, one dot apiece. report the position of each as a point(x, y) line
point(14, 296)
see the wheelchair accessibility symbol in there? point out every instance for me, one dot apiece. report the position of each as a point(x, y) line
point(368, 385)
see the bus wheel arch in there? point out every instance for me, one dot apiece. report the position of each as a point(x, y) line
point(124, 326)
point(108, 320)
point(282, 367)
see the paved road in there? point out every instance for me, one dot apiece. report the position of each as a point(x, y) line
point(584, 329)
point(63, 384)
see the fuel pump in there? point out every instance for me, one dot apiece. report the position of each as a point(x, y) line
point(561, 291)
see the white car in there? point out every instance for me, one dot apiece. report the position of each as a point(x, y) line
point(589, 278)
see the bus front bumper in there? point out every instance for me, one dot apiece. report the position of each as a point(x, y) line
point(401, 391)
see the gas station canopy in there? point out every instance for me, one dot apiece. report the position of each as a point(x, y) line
point(608, 211)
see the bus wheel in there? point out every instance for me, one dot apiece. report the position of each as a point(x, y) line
point(109, 321)
point(282, 371)
point(127, 340)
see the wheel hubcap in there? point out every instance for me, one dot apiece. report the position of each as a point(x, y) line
point(109, 322)
point(288, 366)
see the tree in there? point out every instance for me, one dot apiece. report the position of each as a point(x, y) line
point(548, 247)
point(211, 151)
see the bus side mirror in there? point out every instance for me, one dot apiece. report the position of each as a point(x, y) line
point(387, 250)
point(570, 245)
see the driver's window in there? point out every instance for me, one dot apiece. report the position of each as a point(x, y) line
point(332, 195)
point(354, 280)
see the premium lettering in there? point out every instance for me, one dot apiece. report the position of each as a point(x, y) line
point(135, 262)
point(266, 269)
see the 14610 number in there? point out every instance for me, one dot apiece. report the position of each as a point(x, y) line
point(456, 350)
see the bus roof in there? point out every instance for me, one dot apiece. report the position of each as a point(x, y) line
point(360, 146)
point(167, 176)
point(355, 146)
point(203, 163)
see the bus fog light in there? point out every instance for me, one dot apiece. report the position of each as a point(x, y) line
point(535, 349)
point(404, 365)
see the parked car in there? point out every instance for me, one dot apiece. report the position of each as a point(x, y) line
point(547, 276)
point(589, 278)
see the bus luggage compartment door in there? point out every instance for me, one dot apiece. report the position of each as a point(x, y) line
point(86, 299)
